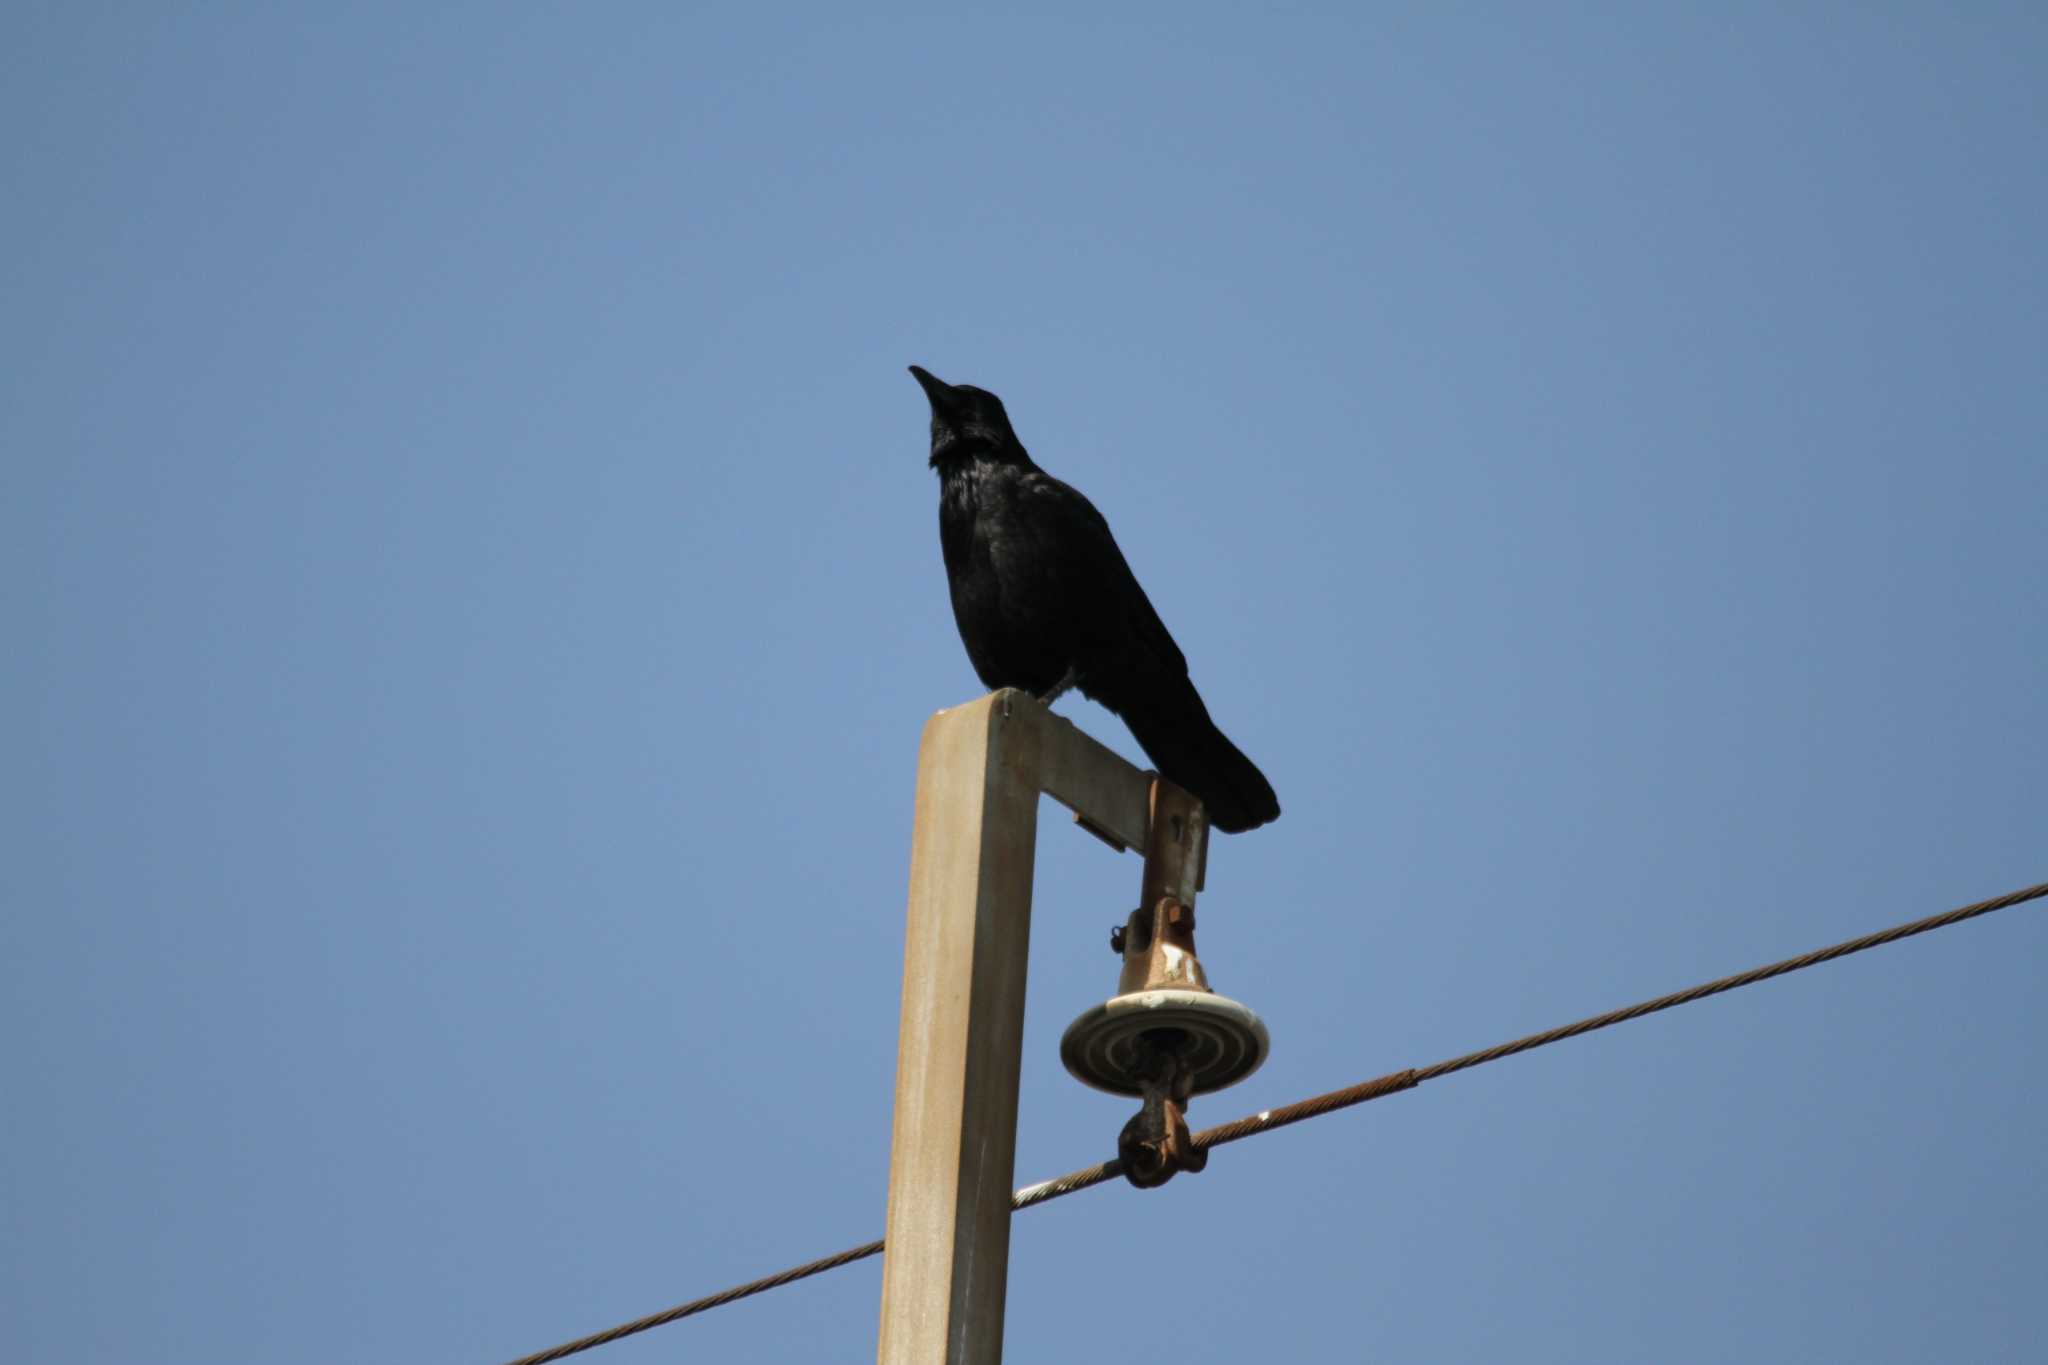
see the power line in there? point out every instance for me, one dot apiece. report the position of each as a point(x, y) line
point(1266, 1120)
point(709, 1301)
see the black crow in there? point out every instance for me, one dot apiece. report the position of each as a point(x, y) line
point(1045, 601)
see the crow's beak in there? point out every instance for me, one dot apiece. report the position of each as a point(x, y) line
point(935, 388)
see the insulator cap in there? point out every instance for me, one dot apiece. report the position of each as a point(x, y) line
point(1221, 1042)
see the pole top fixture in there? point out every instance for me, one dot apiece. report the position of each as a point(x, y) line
point(1165, 1035)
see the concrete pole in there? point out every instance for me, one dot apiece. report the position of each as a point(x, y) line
point(981, 768)
point(964, 954)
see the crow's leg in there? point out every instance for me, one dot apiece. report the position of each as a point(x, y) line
point(1059, 689)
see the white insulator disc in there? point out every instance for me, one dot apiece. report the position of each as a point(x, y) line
point(1226, 1042)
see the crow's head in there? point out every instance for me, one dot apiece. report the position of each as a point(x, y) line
point(965, 419)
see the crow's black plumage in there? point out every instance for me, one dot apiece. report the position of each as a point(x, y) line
point(1045, 601)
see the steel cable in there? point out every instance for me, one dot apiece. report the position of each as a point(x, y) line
point(709, 1301)
point(1046, 1190)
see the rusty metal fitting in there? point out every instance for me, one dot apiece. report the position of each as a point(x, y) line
point(1155, 1144)
point(1159, 950)
point(1165, 1035)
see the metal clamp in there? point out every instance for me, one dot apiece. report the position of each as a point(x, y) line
point(1165, 1035)
point(1155, 1143)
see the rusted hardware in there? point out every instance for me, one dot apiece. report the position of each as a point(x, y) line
point(1158, 940)
point(1176, 857)
point(1165, 1035)
point(1176, 845)
point(1158, 947)
point(1155, 1144)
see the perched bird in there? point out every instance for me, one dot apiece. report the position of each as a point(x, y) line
point(1045, 601)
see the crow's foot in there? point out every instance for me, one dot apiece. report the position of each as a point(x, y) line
point(1059, 689)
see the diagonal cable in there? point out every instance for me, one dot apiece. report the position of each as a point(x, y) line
point(1392, 1083)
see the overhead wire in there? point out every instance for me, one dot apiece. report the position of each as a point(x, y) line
point(1045, 1191)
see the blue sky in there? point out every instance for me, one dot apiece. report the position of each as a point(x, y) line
point(472, 595)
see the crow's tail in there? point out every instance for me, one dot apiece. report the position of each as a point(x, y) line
point(1173, 727)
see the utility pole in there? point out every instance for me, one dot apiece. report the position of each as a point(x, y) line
point(981, 770)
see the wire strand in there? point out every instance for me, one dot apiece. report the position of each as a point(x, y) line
point(708, 1302)
point(1393, 1083)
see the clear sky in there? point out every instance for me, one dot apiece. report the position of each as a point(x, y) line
point(471, 594)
